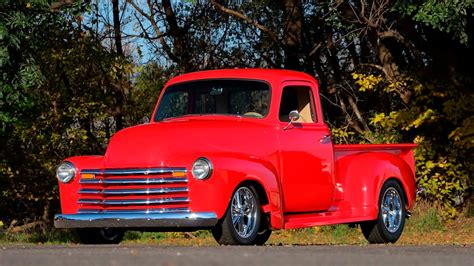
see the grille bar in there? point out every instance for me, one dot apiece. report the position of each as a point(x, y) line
point(134, 190)
point(144, 191)
point(133, 181)
point(134, 171)
point(134, 201)
point(143, 211)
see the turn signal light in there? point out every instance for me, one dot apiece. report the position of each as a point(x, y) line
point(87, 176)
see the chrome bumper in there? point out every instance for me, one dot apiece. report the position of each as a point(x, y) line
point(135, 220)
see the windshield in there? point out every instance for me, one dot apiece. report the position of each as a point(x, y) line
point(226, 97)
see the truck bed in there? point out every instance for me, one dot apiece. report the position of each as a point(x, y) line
point(346, 210)
point(405, 151)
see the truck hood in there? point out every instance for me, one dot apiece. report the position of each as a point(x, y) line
point(178, 142)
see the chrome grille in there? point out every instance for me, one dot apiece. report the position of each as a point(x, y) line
point(150, 190)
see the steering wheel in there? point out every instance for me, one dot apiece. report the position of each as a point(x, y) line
point(253, 114)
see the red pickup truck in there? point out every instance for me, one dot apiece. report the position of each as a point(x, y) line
point(241, 152)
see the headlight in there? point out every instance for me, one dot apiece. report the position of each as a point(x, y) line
point(202, 168)
point(65, 172)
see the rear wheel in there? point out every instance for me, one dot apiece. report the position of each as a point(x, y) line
point(100, 235)
point(241, 223)
point(391, 218)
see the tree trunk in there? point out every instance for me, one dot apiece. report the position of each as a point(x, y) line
point(389, 67)
point(117, 29)
point(118, 112)
point(293, 33)
point(179, 38)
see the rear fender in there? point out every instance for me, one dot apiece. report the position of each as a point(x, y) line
point(362, 176)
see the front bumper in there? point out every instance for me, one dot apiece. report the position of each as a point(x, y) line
point(136, 220)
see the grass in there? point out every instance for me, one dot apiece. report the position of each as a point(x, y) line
point(425, 227)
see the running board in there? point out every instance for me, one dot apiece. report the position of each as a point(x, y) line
point(293, 221)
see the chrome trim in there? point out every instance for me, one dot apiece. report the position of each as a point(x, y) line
point(134, 220)
point(144, 191)
point(133, 181)
point(133, 201)
point(135, 211)
point(133, 171)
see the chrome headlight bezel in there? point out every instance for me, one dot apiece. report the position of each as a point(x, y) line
point(202, 168)
point(65, 172)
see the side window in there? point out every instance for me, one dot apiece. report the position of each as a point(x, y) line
point(297, 98)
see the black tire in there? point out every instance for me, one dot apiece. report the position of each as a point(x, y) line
point(100, 235)
point(264, 232)
point(387, 231)
point(225, 233)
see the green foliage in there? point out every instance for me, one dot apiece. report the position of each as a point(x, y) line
point(150, 80)
point(57, 97)
point(428, 218)
point(136, 236)
point(40, 236)
point(443, 158)
point(448, 16)
point(63, 89)
point(338, 231)
point(366, 82)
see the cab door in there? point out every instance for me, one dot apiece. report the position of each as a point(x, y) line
point(306, 151)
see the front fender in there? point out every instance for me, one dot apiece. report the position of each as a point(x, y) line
point(214, 194)
point(69, 191)
point(362, 176)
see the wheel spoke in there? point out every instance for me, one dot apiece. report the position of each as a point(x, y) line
point(387, 201)
point(246, 229)
point(396, 219)
point(396, 203)
point(236, 219)
point(237, 200)
point(241, 225)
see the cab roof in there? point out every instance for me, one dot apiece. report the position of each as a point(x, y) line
point(269, 75)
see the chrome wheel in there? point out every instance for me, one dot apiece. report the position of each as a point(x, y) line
point(391, 208)
point(391, 217)
point(244, 212)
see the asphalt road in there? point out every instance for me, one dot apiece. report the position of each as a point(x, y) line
point(72, 255)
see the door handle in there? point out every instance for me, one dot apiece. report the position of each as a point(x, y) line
point(325, 139)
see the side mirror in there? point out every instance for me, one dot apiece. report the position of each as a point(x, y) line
point(293, 116)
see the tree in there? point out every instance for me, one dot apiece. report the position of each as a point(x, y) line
point(55, 102)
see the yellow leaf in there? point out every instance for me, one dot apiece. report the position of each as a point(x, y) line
point(28, 5)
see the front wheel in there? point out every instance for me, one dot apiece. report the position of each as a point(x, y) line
point(391, 218)
point(240, 225)
point(100, 235)
point(264, 231)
